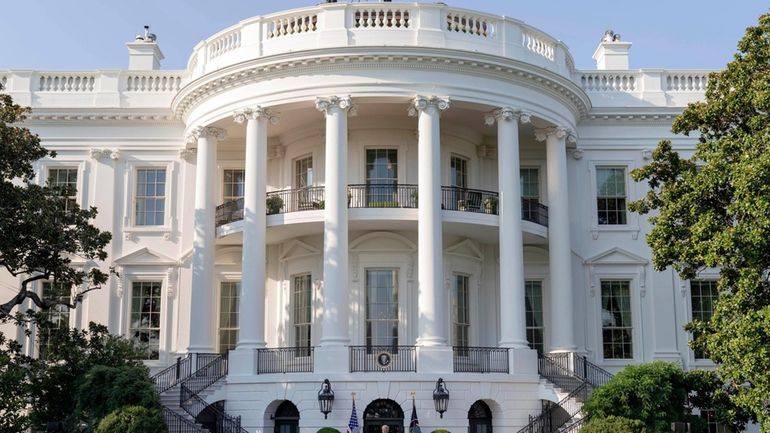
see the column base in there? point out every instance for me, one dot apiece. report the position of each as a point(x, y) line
point(242, 362)
point(522, 361)
point(434, 359)
point(331, 359)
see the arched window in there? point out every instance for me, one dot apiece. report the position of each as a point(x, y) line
point(479, 418)
point(286, 418)
point(381, 412)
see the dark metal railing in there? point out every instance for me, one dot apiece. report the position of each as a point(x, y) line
point(285, 360)
point(382, 196)
point(575, 366)
point(173, 374)
point(590, 372)
point(557, 369)
point(575, 426)
point(534, 211)
point(383, 358)
point(469, 200)
point(177, 423)
point(193, 404)
point(480, 359)
point(295, 200)
point(228, 212)
point(555, 416)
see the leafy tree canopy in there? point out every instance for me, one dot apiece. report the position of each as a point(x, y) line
point(614, 424)
point(712, 210)
point(132, 419)
point(41, 232)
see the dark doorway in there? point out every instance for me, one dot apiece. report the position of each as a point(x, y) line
point(286, 418)
point(479, 418)
point(381, 412)
point(209, 417)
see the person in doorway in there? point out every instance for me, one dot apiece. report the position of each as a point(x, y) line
point(385, 429)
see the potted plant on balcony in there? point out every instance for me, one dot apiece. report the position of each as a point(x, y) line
point(274, 204)
point(319, 204)
point(490, 205)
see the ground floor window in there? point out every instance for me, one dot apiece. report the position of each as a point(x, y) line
point(617, 340)
point(303, 313)
point(381, 307)
point(461, 312)
point(712, 426)
point(57, 317)
point(145, 317)
point(534, 313)
point(228, 315)
point(703, 295)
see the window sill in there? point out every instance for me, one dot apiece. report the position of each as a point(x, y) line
point(130, 233)
point(615, 228)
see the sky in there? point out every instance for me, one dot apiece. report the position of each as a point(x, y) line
point(91, 34)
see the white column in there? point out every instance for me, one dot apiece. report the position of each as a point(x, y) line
point(204, 241)
point(251, 334)
point(431, 299)
point(559, 246)
point(335, 294)
point(513, 332)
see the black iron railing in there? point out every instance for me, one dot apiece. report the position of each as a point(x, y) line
point(295, 200)
point(480, 359)
point(575, 426)
point(228, 212)
point(177, 423)
point(469, 200)
point(555, 365)
point(285, 360)
point(534, 211)
point(383, 358)
point(555, 416)
point(173, 374)
point(557, 369)
point(382, 196)
point(591, 373)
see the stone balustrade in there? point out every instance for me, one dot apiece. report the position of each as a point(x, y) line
point(642, 87)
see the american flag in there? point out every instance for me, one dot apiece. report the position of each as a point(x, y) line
point(414, 425)
point(353, 423)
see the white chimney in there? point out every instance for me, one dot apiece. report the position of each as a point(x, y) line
point(144, 53)
point(612, 53)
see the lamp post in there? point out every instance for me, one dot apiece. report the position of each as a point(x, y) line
point(441, 397)
point(326, 398)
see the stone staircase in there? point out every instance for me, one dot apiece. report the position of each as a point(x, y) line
point(573, 379)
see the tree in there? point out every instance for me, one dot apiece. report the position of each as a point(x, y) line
point(41, 232)
point(713, 210)
point(614, 424)
point(15, 386)
point(132, 419)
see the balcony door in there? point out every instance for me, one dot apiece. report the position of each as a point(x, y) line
point(382, 308)
point(381, 178)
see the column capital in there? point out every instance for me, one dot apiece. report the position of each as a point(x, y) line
point(507, 114)
point(560, 132)
point(206, 131)
point(344, 103)
point(240, 116)
point(421, 103)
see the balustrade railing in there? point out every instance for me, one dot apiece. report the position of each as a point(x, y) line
point(534, 211)
point(177, 423)
point(463, 22)
point(555, 416)
point(608, 81)
point(193, 404)
point(227, 42)
point(295, 200)
point(382, 196)
point(539, 44)
point(76, 83)
point(292, 25)
point(285, 360)
point(228, 212)
point(383, 358)
point(153, 83)
point(173, 374)
point(381, 17)
point(469, 200)
point(480, 359)
point(686, 81)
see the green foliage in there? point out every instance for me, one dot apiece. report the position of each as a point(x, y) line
point(441, 430)
point(15, 385)
point(105, 389)
point(40, 236)
point(273, 204)
point(328, 430)
point(654, 394)
point(614, 424)
point(132, 419)
point(718, 216)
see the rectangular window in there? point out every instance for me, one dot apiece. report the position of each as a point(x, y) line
point(145, 317)
point(233, 185)
point(461, 310)
point(303, 313)
point(381, 307)
point(703, 294)
point(381, 178)
point(458, 172)
point(611, 195)
point(712, 426)
point(228, 315)
point(303, 172)
point(530, 193)
point(616, 319)
point(65, 178)
point(57, 317)
point(150, 196)
point(533, 294)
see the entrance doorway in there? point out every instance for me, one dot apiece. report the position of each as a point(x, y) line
point(381, 412)
point(286, 418)
point(479, 418)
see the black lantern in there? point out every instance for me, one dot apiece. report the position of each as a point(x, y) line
point(441, 397)
point(326, 398)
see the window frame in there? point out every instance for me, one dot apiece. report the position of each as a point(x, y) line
point(219, 328)
point(710, 274)
point(632, 219)
point(44, 170)
point(400, 338)
point(468, 307)
point(456, 156)
point(71, 318)
point(542, 327)
point(293, 309)
point(624, 197)
point(168, 275)
point(135, 208)
point(634, 274)
point(131, 186)
point(295, 173)
point(162, 328)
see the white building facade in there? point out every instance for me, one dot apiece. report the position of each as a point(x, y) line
point(377, 194)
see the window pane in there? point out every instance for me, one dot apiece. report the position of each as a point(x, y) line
point(303, 172)
point(56, 317)
point(703, 294)
point(233, 185)
point(303, 313)
point(458, 171)
point(461, 311)
point(228, 315)
point(65, 178)
point(381, 307)
point(145, 324)
point(617, 326)
point(533, 291)
point(150, 197)
point(611, 195)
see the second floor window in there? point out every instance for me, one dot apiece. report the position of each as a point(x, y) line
point(233, 185)
point(381, 177)
point(381, 307)
point(228, 315)
point(65, 178)
point(458, 172)
point(703, 294)
point(461, 310)
point(533, 293)
point(303, 172)
point(611, 195)
point(303, 313)
point(530, 192)
point(150, 196)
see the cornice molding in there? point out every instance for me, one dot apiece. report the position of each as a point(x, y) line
point(90, 116)
point(329, 60)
